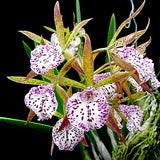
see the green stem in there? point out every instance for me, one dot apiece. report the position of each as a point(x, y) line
point(4, 121)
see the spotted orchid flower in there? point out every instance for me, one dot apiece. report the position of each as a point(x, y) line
point(144, 66)
point(42, 101)
point(45, 58)
point(133, 115)
point(108, 90)
point(87, 110)
point(68, 137)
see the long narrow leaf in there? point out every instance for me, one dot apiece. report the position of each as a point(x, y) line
point(112, 28)
point(27, 49)
point(20, 123)
point(78, 11)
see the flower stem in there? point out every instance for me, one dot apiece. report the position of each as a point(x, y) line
point(10, 122)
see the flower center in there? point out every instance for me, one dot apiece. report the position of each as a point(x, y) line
point(88, 96)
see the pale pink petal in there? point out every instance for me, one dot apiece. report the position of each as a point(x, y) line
point(108, 90)
point(133, 115)
point(42, 101)
point(68, 137)
point(45, 58)
point(87, 110)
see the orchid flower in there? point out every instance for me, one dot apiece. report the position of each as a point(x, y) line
point(68, 137)
point(42, 101)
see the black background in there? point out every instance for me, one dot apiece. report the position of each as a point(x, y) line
point(32, 15)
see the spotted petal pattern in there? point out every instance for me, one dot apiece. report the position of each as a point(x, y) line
point(42, 101)
point(45, 58)
point(68, 137)
point(87, 110)
point(108, 90)
point(133, 115)
point(144, 66)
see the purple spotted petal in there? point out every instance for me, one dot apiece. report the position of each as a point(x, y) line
point(148, 67)
point(133, 115)
point(144, 66)
point(68, 137)
point(42, 101)
point(108, 90)
point(87, 110)
point(45, 58)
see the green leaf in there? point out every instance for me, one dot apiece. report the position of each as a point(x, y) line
point(27, 49)
point(88, 61)
point(78, 11)
point(114, 78)
point(75, 32)
point(59, 25)
point(112, 28)
point(21, 123)
point(30, 81)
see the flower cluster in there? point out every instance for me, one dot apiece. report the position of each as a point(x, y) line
point(98, 98)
